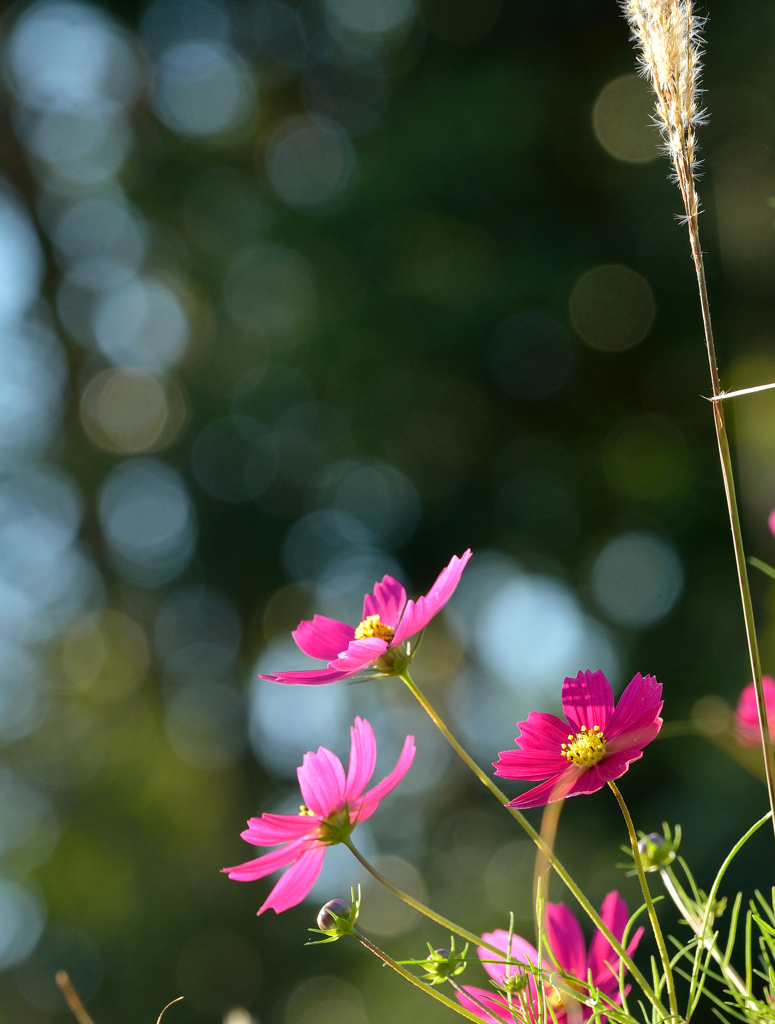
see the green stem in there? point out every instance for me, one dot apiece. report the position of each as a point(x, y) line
point(681, 901)
point(723, 869)
point(655, 927)
point(727, 473)
point(535, 836)
point(427, 989)
point(476, 940)
point(459, 988)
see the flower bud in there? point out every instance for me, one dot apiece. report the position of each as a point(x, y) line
point(657, 851)
point(330, 912)
point(652, 839)
point(443, 964)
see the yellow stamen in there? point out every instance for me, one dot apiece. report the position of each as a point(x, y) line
point(305, 812)
point(371, 626)
point(585, 748)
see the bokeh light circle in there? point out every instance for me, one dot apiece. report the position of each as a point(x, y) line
point(622, 120)
point(126, 411)
point(637, 579)
point(310, 161)
point(201, 88)
point(612, 307)
point(270, 290)
point(141, 324)
point(148, 521)
point(371, 17)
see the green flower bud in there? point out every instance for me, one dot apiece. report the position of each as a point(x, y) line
point(443, 964)
point(656, 851)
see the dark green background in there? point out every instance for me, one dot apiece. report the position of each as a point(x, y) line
point(494, 132)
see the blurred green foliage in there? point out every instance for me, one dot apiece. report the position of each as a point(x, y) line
point(425, 303)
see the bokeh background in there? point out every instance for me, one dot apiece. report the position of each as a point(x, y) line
point(297, 294)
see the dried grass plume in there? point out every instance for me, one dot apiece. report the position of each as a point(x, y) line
point(668, 39)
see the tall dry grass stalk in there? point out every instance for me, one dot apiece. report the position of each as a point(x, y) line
point(668, 39)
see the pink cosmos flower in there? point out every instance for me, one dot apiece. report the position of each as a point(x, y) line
point(567, 942)
point(333, 806)
point(747, 715)
point(596, 745)
point(771, 522)
point(388, 620)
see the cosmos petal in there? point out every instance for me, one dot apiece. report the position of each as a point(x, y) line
point(262, 866)
point(322, 637)
point(587, 700)
point(270, 829)
point(363, 758)
point(556, 788)
point(387, 601)
point(371, 799)
point(322, 781)
point(417, 615)
point(297, 881)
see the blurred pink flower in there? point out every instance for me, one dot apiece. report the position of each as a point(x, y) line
point(747, 715)
point(333, 807)
point(771, 522)
point(388, 620)
point(567, 942)
point(596, 745)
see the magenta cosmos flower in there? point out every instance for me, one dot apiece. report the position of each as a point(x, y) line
point(333, 806)
point(567, 942)
point(747, 714)
point(388, 621)
point(595, 746)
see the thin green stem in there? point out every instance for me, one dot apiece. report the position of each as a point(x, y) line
point(477, 940)
point(459, 988)
point(655, 926)
point(427, 989)
point(727, 473)
point(683, 904)
point(582, 900)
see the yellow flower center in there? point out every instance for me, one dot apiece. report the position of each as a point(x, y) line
point(371, 626)
point(305, 812)
point(586, 748)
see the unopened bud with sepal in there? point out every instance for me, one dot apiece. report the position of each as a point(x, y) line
point(336, 918)
point(443, 964)
point(656, 851)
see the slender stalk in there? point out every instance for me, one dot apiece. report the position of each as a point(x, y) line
point(477, 940)
point(679, 897)
point(459, 988)
point(541, 873)
point(725, 457)
point(655, 926)
point(582, 900)
point(427, 989)
point(72, 998)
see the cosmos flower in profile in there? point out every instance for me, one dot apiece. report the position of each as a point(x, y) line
point(747, 714)
point(333, 806)
point(572, 957)
point(378, 641)
point(596, 745)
